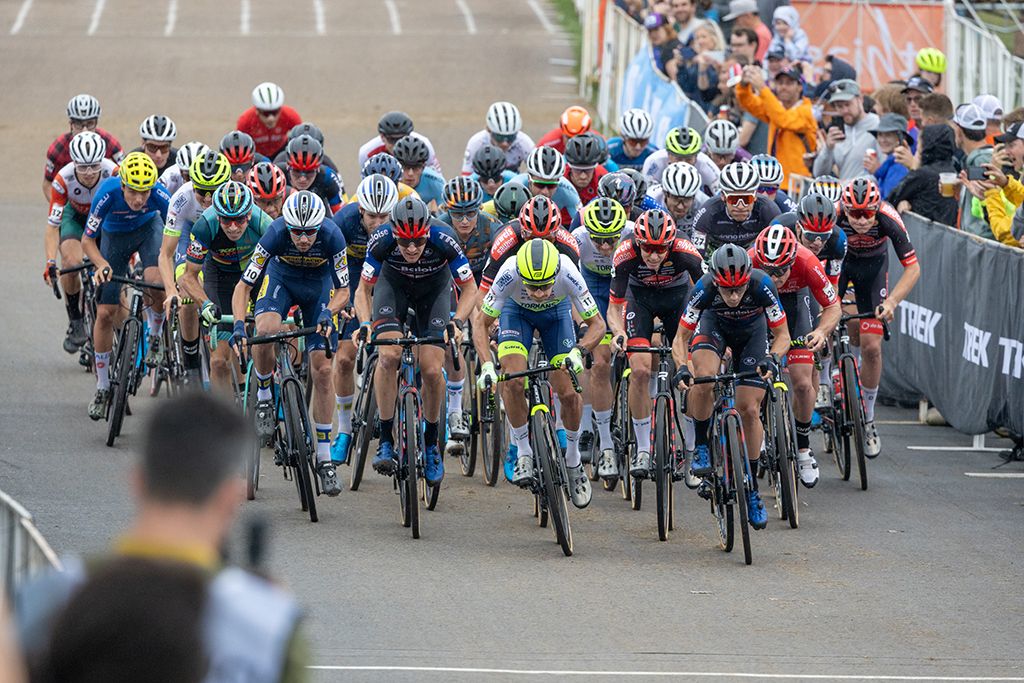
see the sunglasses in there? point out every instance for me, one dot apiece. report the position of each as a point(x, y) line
point(776, 271)
point(270, 112)
point(539, 288)
point(156, 149)
point(86, 168)
point(303, 232)
point(468, 216)
point(505, 138)
point(205, 194)
point(406, 242)
point(300, 172)
point(861, 214)
point(89, 124)
point(235, 221)
point(605, 241)
point(488, 179)
point(654, 248)
point(637, 142)
point(768, 189)
point(244, 168)
point(739, 199)
point(543, 183)
point(816, 236)
point(913, 98)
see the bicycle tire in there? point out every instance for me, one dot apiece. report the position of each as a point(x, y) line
point(492, 439)
point(300, 449)
point(411, 447)
point(734, 435)
point(468, 455)
point(721, 509)
point(622, 431)
point(127, 349)
point(663, 467)
point(841, 427)
point(546, 448)
point(785, 460)
point(851, 384)
point(364, 423)
point(252, 457)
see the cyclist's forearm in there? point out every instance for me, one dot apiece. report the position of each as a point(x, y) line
point(363, 301)
point(47, 189)
point(905, 283)
point(189, 284)
point(50, 242)
point(338, 301)
point(829, 319)
point(240, 300)
point(615, 319)
point(781, 341)
point(165, 262)
point(481, 340)
point(467, 300)
point(92, 251)
point(681, 346)
point(595, 332)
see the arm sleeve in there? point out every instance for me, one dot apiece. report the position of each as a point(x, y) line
point(260, 255)
point(795, 119)
point(999, 220)
point(824, 162)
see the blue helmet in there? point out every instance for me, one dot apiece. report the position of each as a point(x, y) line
point(385, 164)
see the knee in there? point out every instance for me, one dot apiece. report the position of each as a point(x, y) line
point(343, 364)
point(640, 372)
point(431, 374)
point(871, 351)
point(322, 373)
point(388, 361)
point(219, 364)
point(105, 314)
point(749, 410)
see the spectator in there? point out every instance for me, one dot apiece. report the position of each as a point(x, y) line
point(834, 69)
point(775, 63)
point(969, 126)
point(663, 43)
point(919, 190)
point(743, 43)
point(916, 89)
point(745, 14)
point(792, 129)
point(789, 37)
point(268, 120)
point(1003, 194)
point(697, 64)
point(634, 8)
point(992, 108)
point(684, 19)
point(1015, 116)
point(890, 134)
point(841, 148)
point(889, 99)
point(935, 108)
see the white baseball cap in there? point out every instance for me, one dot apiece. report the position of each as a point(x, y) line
point(990, 106)
point(970, 117)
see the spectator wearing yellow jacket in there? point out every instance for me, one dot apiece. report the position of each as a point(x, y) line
point(792, 130)
point(1000, 198)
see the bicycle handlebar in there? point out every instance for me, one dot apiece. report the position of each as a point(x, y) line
point(289, 334)
point(649, 349)
point(540, 370)
point(725, 377)
point(52, 272)
point(867, 316)
point(86, 264)
point(132, 282)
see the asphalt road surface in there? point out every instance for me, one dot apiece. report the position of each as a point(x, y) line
point(916, 578)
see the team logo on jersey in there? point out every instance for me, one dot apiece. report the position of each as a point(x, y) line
point(465, 273)
point(437, 322)
point(385, 310)
point(195, 251)
point(884, 292)
point(505, 280)
point(630, 315)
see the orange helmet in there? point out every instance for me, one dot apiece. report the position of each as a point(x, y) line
point(575, 120)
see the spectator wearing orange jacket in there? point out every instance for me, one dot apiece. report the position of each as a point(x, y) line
point(792, 130)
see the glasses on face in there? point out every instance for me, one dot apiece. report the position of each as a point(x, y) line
point(654, 248)
point(542, 185)
point(861, 214)
point(913, 98)
point(152, 148)
point(777, 271)
point(739, 199)
point(303, 232)
point(202, 194)
point(816, 236)
point(504, 138)
point(464, 216)
point(637, 142)
point(236, 221)
point(581, 170)
point(270, 113)
point(406, 242)
point(605, 241)
point(487, 180)
point(243, 168)
point(87, 168)
point(767, 189)
point(409, 168)
point(89, 124)
point(539, 288)
point(300, 173)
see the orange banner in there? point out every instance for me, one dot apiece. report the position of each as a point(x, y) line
point(880, 41)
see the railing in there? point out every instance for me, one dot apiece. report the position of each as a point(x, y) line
point(979, 64)
point(23, 550)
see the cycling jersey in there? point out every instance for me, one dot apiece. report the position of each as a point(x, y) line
point(209, 244)
point(656, 163)
point(171, 156)
point(592, 261)
point(327, 185)
point(431, 186)
point(681, 266)
point(182, 213)
point(507, 243)
point(269, 141)
point(684, 226)
point(617, 153)
point(172, 179)
point(760, 300)
point(589, 193)
point(553, 138)
point(350, 222)
point(515, 155)
point(375, 146)
point(833, 254)
point(569, 284)
point(713, 226)
point(565, 197)
point(66, 189)
point(477, 245)
point(806, 272)
point(442, 251)
point(58, 156)
point(110, 210)
point(282, 258)
point(784, 201)
point(872, 243)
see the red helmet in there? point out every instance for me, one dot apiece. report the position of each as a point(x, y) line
point(410, 219)
point(730, 266)
point(238, 147)
point(305, 153)
point(861, 193)
point(266, 181)
point(816, 213)
point(775, 246)
point(539, 217)
point(654, 228)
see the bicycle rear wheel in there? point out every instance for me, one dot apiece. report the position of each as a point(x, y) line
point(737, 479)
point(467, 458)
point(120, 381)
point(492, 437)
point(663, 466)
point(785, 459)
point(364, 423)
point(841, 429)
point(851, 385)
point(622, 437)
point(551, 480)
point(409, 448)
point(297, 440)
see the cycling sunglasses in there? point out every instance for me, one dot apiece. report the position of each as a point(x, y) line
point(539, 288)
point(489, 179)
point(270, 112)
point(504, 138)
point(405, 242)
point(816, 236)
point(768, 189)
point(87, 168)
point(464, 215)
point(654, 248)
point(637, 142)
point(303, 232)
point(861, 214)
point(152, 148)
point(233, 220)
point(777, 271)
point(244, 168)
point(739, 199)
point(600, 241)
point(296, 171)
point(206, 194)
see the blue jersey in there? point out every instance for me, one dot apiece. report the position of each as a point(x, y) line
point(477, 246)
point(565, 197)
point(350, 221)
point(110, 210)
point(760, 299)
point(327, 185)
point(617, 154)
point(506, 176)
point(276, 250)
point(784, 201)
point(833, 253)
point(441, 251)
point(431, 186)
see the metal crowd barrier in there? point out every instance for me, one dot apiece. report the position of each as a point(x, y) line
point(23, 549)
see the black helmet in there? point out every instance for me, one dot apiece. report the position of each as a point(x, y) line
point(640, 180)
point(618, 186)
point(394, 124)
point(310, 129)
point(509, 199)
point(489, 162)
point(585, 150)
point(411, 151)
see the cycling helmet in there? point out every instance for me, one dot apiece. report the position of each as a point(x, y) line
point(232, 199)
point(489, 162)
point(545, 164)
point(738, 178)
point(617, 186)
point(385, 164)
point(653, 228)
point(769, 170)
point(310, 129)
point(639, 180)
point(83, 107)
point(861, 193)
point(636, 124)
point(604, 217)
point(730, 266)
point(138, 172)
point(304, 209)
point(158, 128)
point(187, 154)
point(238, 147)
point(377, 194)
point(816, 213)
point(267, 97)
point(503, 119)
point(509, 200)
point(775, 246)
point(411, 151)
point(538, 262)
point(305, 153)
point(410, 219)
point(209, 170)
point(394, 124)
point(680, 180)
point(683, 142)
point(585, 151)
point(829, 186)
point(266, 180)
point(722, 137)
point(87, 148)
point(539, 217)
point(463, 193)
point(575, 120)
point(931, 59)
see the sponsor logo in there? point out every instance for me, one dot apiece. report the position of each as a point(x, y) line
point(437, 322)
point(385, 310)
point(630, 315)
point(567, 343)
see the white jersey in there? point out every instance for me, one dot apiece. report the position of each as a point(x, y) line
point(514, 155)
point(569, 282)
point(655, 165)
point(684, 227)
point(172, 179)
point(375, 145)
point(183, 210)
point(66, 189)
point(591, 259)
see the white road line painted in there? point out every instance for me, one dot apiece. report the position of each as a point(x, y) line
point(97, 12)
point(19, 20)
point(995, 475)
point(565, 80)
point(172, 17)
point(664, 674)
point(468, 16)
point(318, 12)
point(541, 17)
point(396, 21)
point(244, 17)
point(561, 61)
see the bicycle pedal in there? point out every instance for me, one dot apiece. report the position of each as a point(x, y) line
point(704, 490)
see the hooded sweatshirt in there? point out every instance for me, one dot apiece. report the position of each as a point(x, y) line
point(921, 187)
point(848, 155)
point(840, 70)
point(797, 45)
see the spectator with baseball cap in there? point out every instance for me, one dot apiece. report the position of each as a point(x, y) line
point(775, 62)
point(842, 148)
point(916, 89)
point(992, 108)
point(970, 125)
point(745, 15)
point(890, 133)
point(663, 41)
point(1002, 194)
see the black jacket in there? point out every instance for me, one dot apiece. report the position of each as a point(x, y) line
point(921, 187)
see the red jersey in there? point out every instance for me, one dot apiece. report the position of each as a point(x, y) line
point(507, 242)
point(590, 191)
point(806, 272)
point(58, 156)
point(554, 139)
point(269, 141)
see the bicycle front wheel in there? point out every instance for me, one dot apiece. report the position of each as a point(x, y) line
point(622, 437)
point(123, 367)
point(408, 465)
point(552, 482)
point(855, 414)
point(298, 443)
point(785, 460)
point(737, 479)
point(721, 506)
point(252, 459)
point(364, 422)
point(663, 466)
point(492, 437)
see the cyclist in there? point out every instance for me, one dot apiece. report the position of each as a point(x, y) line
point(489, 170)
point(931, 64)
point(681, 195)
point(130, 209)
point(304, 256)
point(605, 222)
point(736, 215)
point(83, 115)
point(545, 174)
point(798, 275)
point(684, 144)
point(268, 120)
point(536, 292)
point(269, 187)
point(632, 146)
point(651, 278)
point(583, 156)
point(388, 166)
point(305, 171)
point(412, 153)
point(177, 175)
point(870, 225)
point(728, 309)
point(158, 133)
point(412, 264)
point(310, 129)
point(770, 175)
point(376, 196)
point(222, 241)
point(504, 131)
point(828, 186)
point(722, 142)
point(240, 150)
point(71, 192)
point(508, 201)
point(391, 128)
point(574, 121)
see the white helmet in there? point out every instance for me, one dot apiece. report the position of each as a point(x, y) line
point(87, 148)
point(721, 137)
point(738, 178)
point(159, 128)
point(769, 170)
point(304, 210)
point(829, 186)
point(680, 180)
point(267, 96)
point(545, 163)
point(377, 194)
point(188, 152)
point(636, 124)
point(83, 107)
point(503, 119)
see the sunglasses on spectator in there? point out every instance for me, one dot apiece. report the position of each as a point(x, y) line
point(914, 98)
point(88, 124)
point(777, 271)
point(154, 148)
point(406, 242)
point(270, 112)
point(654, 248)
point(739, 199)
point(861, 214)
point(303, 232)
point(768, 189)
point(468, 216)
point(505, 138)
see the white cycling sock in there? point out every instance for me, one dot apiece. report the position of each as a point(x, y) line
point(572, 450)
point(521, 437)
point(455, 396)
point(603, 418)
point(869, 396)
point(263, 385)
point(344, 405)
point(642, 429)
point(558, 414)
point(103, 370)
point(323, 443)
point(689, 432)
point(587, 421)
